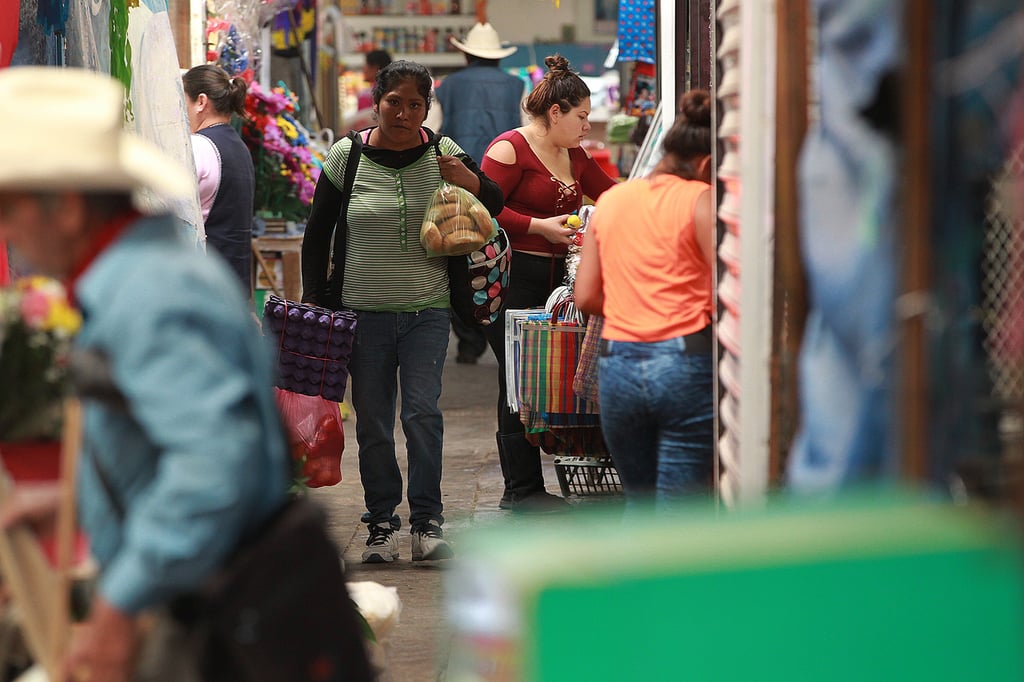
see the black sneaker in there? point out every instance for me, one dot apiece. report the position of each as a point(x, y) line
point(381, 546)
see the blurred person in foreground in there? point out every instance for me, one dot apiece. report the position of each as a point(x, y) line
point(544, 174)
point(477, 104)
point(646, 266)
point(227, 181)
point(400, 296)
point(184, 455)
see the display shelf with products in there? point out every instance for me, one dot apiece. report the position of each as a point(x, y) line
point(415, 7)
point(422, 38)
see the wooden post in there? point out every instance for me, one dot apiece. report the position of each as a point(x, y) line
point(693, 20)
point(60, 625)
point(179, 13)
point(913, 394)
point(30, 581)
point(789, 300)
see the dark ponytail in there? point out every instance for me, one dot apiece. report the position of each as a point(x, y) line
point(227, 94)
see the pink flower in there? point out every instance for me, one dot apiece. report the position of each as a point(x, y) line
point(35, 307)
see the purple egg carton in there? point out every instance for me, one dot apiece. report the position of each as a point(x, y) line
point(314, 346)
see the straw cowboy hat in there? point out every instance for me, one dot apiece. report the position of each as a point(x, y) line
point(63, 131)
point(483, 41)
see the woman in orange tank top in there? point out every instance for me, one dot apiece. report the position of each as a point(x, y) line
point(646, 266)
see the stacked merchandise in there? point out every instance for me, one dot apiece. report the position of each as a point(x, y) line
point(551, 382)
point(314, 346)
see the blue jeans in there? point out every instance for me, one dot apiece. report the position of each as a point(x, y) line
point(657, 417)
point(406, 349)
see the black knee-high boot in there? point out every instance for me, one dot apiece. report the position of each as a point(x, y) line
point(506, 495)
point(524, 478)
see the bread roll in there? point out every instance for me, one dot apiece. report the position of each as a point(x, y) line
point(462, 238)
point(482, 220)
point(430, 237)
point(455, 224)
point(461, 243)
point(449, 194)
point(440, 212)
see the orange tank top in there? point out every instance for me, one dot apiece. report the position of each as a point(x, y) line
point(657, 285)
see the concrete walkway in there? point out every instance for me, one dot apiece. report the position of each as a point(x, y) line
point(471, 486)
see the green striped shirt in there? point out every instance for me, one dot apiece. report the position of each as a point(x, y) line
point(386, 267)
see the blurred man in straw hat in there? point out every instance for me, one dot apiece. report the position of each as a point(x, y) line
point(477, 104)
point(194, 457)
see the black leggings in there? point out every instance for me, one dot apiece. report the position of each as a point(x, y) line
point(531, 281)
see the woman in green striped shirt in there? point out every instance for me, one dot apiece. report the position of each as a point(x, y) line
point(401, 297)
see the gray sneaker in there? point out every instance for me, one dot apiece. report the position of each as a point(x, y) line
point(381, 546)
point(428, 544)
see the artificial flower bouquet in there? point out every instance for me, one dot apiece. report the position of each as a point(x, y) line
point(36, 327)
point(286, 161)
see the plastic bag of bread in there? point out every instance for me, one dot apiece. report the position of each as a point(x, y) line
point(456, 223)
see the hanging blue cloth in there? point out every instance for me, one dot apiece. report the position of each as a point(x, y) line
point(636, 31)
point(848, 185)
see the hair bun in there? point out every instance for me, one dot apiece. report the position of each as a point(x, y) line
point(556, 62)
point(696, 106)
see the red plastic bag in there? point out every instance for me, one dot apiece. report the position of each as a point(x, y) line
point(315, 434)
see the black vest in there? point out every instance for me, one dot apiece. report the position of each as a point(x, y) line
point(229, 225)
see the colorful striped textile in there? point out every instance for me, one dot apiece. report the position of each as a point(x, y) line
point(585, 381)
point(547, 367)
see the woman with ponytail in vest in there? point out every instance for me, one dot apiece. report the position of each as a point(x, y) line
point(226, 178)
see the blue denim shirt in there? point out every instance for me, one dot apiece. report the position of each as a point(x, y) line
point(478, 103)
point(199, 457)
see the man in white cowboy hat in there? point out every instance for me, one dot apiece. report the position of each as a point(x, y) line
point(481, 101)
point(191, 454)
point(477, 104)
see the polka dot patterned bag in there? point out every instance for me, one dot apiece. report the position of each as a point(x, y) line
point(479, 280)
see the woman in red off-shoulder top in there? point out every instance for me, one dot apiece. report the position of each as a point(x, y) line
point(544, 174)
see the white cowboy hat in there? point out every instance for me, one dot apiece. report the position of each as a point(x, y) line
point(64, 130)
point(483, 41)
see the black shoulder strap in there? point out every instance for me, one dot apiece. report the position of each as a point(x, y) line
point(341, 229)
point(435, 139)
point(351, 165)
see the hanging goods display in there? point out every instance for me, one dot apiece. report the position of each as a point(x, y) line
point(314, 346)
point(542, 352)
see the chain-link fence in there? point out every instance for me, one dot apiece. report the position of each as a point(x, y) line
point(1003, 297)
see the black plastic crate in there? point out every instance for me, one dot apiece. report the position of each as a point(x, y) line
point(585, 476)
